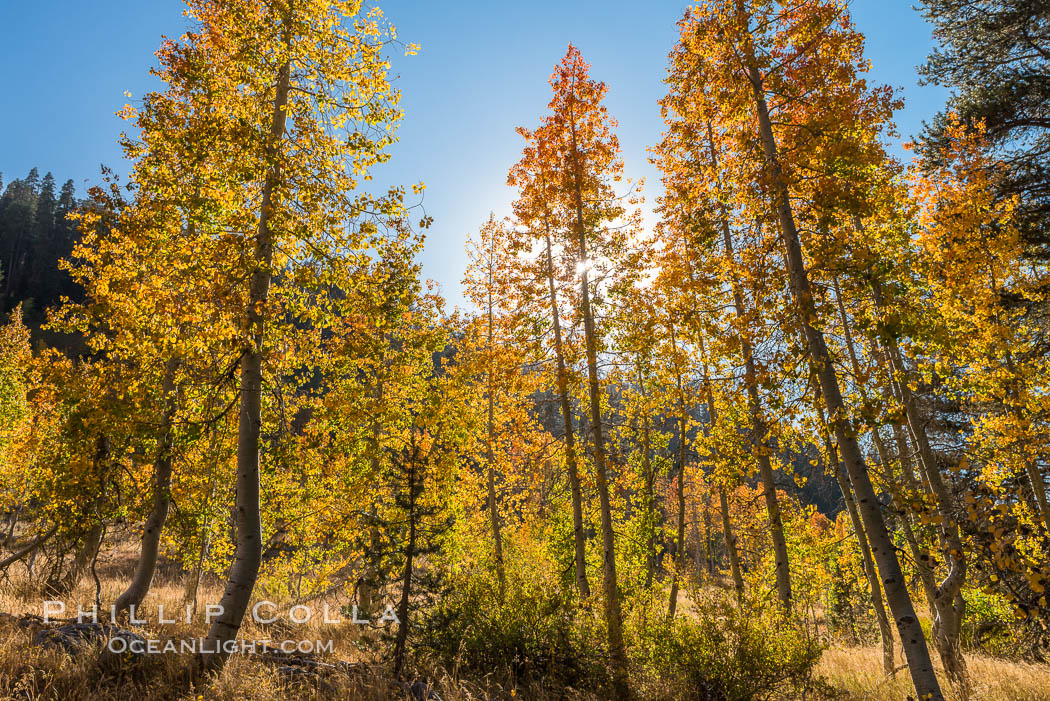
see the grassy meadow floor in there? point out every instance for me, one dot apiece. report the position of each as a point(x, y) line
point(857, 673)
point(29, 672)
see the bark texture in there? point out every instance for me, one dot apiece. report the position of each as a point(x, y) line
point(759, 428)
point(571, 467)
point(894, 584)
point(613, 613)
point(149, 550)
point(248, 553)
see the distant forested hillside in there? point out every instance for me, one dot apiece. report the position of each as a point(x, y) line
point(35, 233)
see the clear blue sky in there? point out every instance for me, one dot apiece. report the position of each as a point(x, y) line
point(482, 71)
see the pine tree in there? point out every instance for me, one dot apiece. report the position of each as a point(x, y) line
point(994, 55)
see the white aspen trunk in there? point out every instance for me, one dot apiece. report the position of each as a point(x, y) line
point(679, 553)
point(613, 614)
point(759, 428)
point(908, 627)
point(497, 537)
point(949, 606)
point(571, 467)
point(149, 550)
point(248, 552)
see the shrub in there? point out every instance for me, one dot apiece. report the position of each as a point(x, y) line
point(720, 652)
point(847, 605)
point(536, 633)
point(989, 624)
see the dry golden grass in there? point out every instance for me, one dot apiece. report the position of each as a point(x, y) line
point(32, 673)
point(857, 671)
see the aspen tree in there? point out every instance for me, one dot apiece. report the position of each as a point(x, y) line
point(732, 43)
point(585, 164)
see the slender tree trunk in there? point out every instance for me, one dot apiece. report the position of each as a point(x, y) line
point(919, 555)
point(712, 417)
point(613, 614)
point(769, 492)
point(847, 494)
point(193, 581)
point(248, 553)
point(708, 549)
point(702, 558)
point(193, 584)
point(85, 555)
point(12, 522)
point(149, 551)
point(59, 582)
point(576, 492)
point(912, 640)
point(26, 549)
point(371, 581)
point(923, 561)
point(758, 427)
point(650, 495)
point(759, 431)
point(885, 630)
point(367, 586)
point(497, 537)
point(679, 553)
point(734, 556)
point(1035, 477)
point(947, 610)
point(949, 606)
point(406, 584)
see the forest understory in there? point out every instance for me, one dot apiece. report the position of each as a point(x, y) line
point(34, 667)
